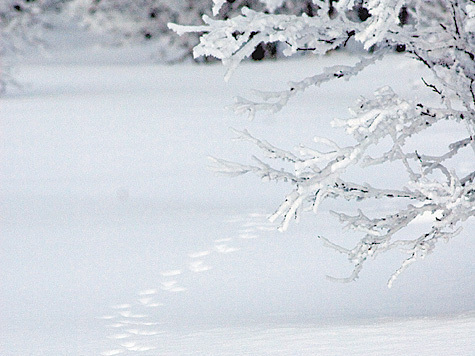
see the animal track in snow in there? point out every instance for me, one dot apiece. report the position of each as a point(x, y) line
point(223, 248)
point(121, 306)
point(171, 273)
point(134, 326)
point(198, 266)
point(148, 292)
point(112, 352)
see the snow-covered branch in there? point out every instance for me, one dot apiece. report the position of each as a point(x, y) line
point(235, 39)
point(441, 35)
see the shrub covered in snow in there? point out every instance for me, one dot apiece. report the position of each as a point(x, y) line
point(18, 20)
point(146, 20)
point(21, 25)
point(439, 34)
point(21, 22)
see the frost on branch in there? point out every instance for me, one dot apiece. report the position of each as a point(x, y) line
point(439, 34)
point(132, 21)
point(235, 39)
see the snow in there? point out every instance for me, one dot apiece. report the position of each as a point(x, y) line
point(117, 239)
point(418, 336)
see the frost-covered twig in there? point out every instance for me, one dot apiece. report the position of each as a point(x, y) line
point(275, 101)
point(235, 39)
point(441, 35)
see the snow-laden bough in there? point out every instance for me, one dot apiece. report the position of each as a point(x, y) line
point(441, 35)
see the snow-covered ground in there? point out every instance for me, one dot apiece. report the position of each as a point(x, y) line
point(117, 239)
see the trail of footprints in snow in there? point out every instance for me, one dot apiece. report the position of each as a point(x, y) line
point(130, 325)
